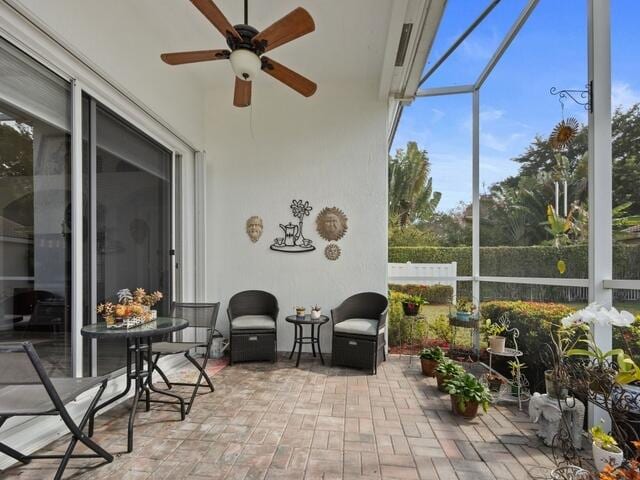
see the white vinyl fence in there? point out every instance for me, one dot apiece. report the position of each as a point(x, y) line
point(424, 274)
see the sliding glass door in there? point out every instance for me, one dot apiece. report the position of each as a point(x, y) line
point(35, 209)
point(128, 201)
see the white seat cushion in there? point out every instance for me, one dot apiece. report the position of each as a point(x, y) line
point(253, 322)
point(357, 326)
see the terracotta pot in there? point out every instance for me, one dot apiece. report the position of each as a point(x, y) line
point(471, 410)
point(602, 457)
point(441, 378)
point(428, 366)
point(496, 343)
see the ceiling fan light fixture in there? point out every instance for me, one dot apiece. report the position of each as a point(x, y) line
point(245, 64)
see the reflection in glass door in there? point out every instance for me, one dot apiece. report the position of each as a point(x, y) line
point(128, 176)
point(35, 209)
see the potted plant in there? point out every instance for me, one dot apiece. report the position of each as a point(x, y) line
point(516, 367)
point(464, 310)
point(147, 300)
point(467, 394)
point(492, 331)
point(411, 305)
point(628, 470)
point(605, 449)
point(445, 370)
point(430, 358)
point(316, 312)
point(494, 382)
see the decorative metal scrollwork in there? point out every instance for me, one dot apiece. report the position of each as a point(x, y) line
point(581, 97)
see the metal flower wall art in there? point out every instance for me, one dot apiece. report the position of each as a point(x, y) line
point(293, 240)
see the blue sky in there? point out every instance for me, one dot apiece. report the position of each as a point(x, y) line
point(515, 104)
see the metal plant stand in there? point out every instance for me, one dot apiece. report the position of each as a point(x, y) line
point(516, 389)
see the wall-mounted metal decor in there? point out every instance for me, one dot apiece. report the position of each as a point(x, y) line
point(293, 240)
point(254, 228)
point(332, 251)
point(331, 224)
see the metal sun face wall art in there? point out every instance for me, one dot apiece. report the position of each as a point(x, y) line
point(332, 251)
point(293, 240)
point(331, 224)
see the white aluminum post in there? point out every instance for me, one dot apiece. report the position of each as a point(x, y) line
point(200, 227)
point(76, 229)
point(475, 226)
point(600, 167)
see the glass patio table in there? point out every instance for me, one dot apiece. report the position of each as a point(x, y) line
point(139, 345)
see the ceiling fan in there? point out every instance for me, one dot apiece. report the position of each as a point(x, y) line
point(247, 47)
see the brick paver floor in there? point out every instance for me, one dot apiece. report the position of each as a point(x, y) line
point(275, 421)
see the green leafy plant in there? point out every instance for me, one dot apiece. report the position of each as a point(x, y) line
point(603, 440)
point(415, 299)
point(628, 370)
point(449, 369)
point(592, 350)
point(464, 305)
point(466, 388)
point(432, 353)
point(516, 367)
point(492, 329)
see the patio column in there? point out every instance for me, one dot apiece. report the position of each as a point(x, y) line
point(600, 167)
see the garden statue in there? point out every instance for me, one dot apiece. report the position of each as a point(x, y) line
point(548, 413)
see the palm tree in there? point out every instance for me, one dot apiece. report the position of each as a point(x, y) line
point(411, 195)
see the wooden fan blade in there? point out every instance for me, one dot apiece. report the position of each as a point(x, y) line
point(216, 17)
point(300, 84)
point(242, 93)
point(291, 26)
point(178, 58)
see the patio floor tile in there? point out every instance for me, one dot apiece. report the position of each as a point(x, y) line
point(274, 421)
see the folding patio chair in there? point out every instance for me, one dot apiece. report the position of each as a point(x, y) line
point(199, 315)
point(27, 390)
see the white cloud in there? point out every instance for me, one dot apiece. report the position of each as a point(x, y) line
point(623, 95)
point(490, 114)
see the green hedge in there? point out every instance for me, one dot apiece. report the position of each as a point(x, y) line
point(537, 261)
point(434, 294)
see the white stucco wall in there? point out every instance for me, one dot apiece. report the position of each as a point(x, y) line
point(330, 150)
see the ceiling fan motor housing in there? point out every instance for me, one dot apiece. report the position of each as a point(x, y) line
point(246, 32)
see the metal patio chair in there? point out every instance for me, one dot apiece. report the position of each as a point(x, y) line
point(27, 390)
point(359, 325)
point(199, 315)
point(253, 316)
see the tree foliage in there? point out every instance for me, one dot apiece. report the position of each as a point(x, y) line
point(411, 195)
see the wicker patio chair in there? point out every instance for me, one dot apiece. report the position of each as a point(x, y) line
point(253, 318)
point(199, 316)
point(27, 390)
point(359, 325)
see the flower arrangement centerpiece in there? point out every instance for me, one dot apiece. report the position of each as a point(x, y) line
point(132, 309)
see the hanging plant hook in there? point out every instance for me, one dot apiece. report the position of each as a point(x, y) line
point(581, 97)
